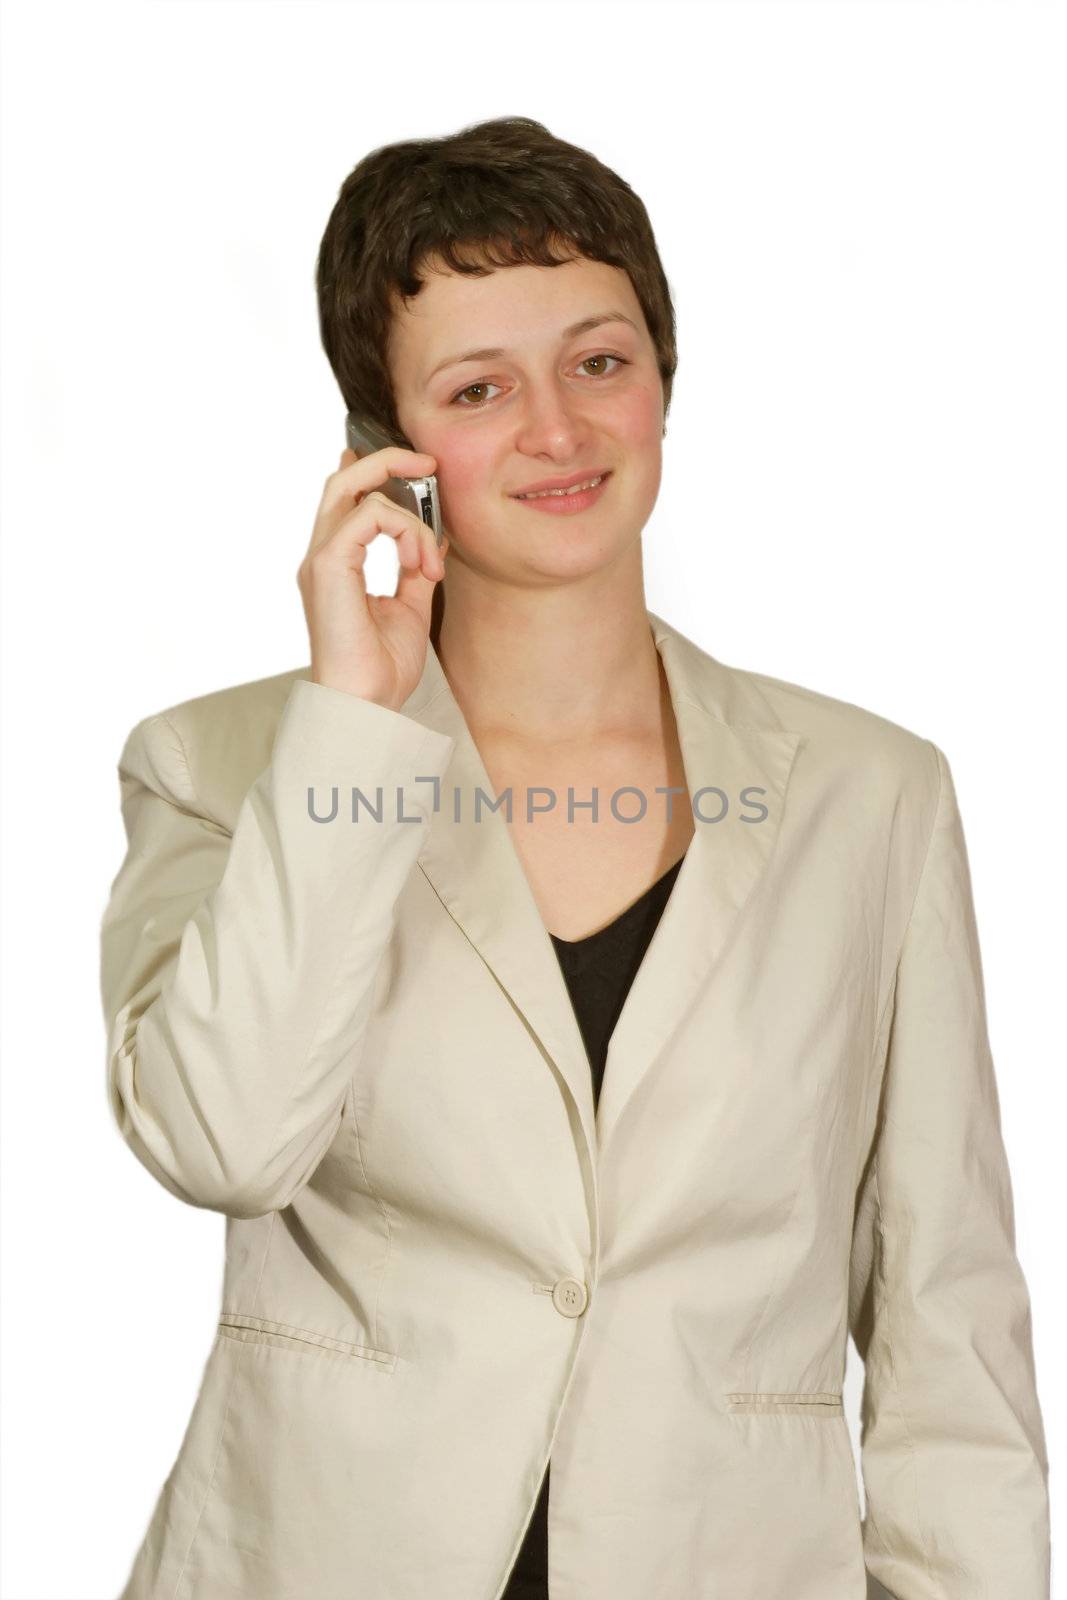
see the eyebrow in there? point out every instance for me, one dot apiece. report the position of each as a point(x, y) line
point(496, 352)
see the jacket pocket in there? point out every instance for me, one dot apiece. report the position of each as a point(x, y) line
point(261, 1330)
point(811, 1402)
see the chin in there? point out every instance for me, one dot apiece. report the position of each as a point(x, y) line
point(564, 557)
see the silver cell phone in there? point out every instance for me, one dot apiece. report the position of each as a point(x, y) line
point(413, 494)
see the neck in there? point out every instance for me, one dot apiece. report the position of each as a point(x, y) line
point(572, 663)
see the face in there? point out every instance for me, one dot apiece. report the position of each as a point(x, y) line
point(545, 403)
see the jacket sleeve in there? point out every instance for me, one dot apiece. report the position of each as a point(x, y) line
point(952, 1445)
point(237, 970)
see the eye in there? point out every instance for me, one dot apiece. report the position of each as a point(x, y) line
point(604, 356)
point(457, 398)
point(471, 386)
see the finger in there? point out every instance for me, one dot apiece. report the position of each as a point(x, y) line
point(415, 587)
point(419, 553)
point(375, 514)
point(364, 473)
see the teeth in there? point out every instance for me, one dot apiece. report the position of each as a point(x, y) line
point(574, 489)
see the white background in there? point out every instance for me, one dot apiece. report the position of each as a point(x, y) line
point(861, 211)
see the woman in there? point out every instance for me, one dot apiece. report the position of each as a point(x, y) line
point(561, 1144)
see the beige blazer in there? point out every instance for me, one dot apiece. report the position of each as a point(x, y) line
point(442, 1268)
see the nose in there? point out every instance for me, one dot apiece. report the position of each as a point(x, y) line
point(551, 423)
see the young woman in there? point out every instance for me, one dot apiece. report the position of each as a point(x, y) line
point(581, 1036)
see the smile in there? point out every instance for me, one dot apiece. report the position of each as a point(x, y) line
point(576, 499)
point(574, 489)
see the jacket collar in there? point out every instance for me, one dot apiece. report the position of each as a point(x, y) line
point(730, 738)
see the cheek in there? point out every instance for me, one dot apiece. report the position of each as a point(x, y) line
point(469, 459)
point(639, 421)
point(470, 467)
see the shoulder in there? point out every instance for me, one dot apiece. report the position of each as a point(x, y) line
point(204, 753)
point(834, 739)
point(833, 725)
point(853, 747)
point(855, 771)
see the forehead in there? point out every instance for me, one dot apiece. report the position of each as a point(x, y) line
point(522, 307)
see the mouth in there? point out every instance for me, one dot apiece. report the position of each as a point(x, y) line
point(574, 498)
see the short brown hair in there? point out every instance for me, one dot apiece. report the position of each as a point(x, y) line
point(494, 194)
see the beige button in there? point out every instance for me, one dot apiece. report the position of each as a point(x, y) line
point(569, 1297)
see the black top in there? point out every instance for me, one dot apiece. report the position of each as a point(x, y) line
point(598, 971)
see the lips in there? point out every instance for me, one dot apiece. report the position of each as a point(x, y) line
point(566, 503)
point(558, 487)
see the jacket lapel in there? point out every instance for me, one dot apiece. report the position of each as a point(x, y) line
point(730, 741)
point(743, 767)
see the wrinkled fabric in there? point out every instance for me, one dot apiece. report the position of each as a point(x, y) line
point(446, 1263)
